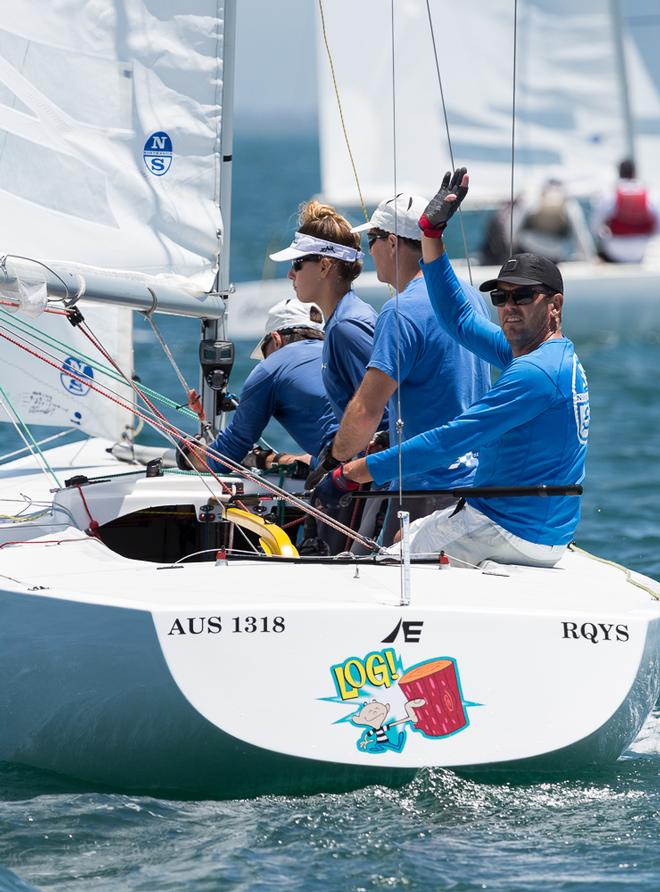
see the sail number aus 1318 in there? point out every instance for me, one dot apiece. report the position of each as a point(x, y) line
point(214, 625)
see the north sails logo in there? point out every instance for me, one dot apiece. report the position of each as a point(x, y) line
point(412, 631)
point(158, 153)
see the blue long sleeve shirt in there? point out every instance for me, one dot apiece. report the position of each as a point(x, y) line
point(349, 337)
point(531, 428)
point(287, 386)
point(439, 378)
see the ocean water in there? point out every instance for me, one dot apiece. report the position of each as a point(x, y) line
point(596, 830)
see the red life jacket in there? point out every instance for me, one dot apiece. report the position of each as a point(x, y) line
point(632, 215)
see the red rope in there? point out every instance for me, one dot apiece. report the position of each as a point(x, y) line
point(93, 524)
point(198, 450)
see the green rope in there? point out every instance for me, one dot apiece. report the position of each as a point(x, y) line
point(27, 435)
point(20, 326)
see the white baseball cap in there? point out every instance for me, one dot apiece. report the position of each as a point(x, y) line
point(399, 215)
point(289, 313)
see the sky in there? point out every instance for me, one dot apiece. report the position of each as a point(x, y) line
point(275, 61)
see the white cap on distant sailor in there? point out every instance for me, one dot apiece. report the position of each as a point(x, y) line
point(289, 313)
point(400, 217)
point(303, 245)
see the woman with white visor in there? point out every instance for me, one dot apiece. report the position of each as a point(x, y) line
point(325, 260)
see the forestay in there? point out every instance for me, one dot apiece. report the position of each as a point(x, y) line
point(570, 119)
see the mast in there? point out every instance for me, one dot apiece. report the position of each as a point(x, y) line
point(624, 88)
point(213, 328)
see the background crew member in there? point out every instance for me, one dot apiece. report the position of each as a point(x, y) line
point(624, 220)
point(286, 385)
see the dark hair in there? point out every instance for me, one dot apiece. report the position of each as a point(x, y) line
point(627, 169)
point(300, 333)
point(323, 221)
point(412, 243)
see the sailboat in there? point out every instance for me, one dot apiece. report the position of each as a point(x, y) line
point(587, 94)
point(159, 635)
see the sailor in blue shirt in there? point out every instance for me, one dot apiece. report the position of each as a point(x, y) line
point(325, 260)
point(438, 378)
point(531, 427)
point(286, 385)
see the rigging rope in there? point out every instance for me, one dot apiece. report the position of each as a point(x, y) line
point(628, 573)
point(399, 419)
point(194, 401)
point(21, 326)
point(341, 112)
point(26, 437)
point(449, 145)
point(513, 118)
point(172, 432)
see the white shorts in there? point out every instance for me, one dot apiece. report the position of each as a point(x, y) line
point(469, 537)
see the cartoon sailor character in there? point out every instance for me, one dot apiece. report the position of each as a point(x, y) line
point(381, 736)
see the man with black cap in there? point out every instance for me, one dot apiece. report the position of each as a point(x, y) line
point(530, 428)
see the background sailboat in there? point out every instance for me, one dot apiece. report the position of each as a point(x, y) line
point(587, 94)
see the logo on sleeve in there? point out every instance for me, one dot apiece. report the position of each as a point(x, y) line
point(581, 401)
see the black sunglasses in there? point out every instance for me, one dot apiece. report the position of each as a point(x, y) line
point(372, 237)
point(297, 264)
point(520, 296)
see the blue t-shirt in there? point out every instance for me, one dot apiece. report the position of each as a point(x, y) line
point(439, 378)
point(287, 386)
point(349, 337)
point(531, 427)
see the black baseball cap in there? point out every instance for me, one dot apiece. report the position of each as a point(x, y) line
point(528, 269)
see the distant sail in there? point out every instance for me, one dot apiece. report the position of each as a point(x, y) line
point(109, 134)
point(569, 118)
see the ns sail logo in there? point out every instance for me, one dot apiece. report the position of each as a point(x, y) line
point(158, 153)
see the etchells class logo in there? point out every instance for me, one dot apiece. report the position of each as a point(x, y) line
point(157, 153)
point(72, 366)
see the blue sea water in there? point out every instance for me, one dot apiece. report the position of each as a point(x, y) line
point(598, 830)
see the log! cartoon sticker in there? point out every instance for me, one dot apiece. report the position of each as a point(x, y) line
point(433, 701)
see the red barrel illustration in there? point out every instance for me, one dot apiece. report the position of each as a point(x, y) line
point(436, 683)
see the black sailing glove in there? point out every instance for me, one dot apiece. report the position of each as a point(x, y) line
point(441, 208)
point(326, 462)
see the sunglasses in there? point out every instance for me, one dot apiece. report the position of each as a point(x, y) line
point(297, 264)
point(520, 296)
point(373, 237)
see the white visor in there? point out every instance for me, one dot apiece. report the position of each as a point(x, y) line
point(303, 245)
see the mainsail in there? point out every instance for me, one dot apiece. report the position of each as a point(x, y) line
point(570, 103)
point(110, 156)
point(109, 134)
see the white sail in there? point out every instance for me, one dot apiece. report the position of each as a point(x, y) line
point(569, 102)
point(109, 134)
point(65, 396)
point(643, 67)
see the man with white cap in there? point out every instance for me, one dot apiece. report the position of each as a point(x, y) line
point(286, 385)
point(438, 378)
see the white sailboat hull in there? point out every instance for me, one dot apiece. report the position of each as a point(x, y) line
point(249, 678)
